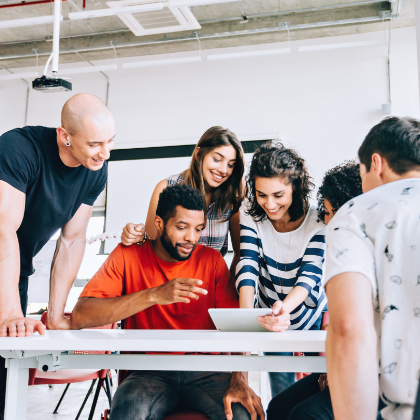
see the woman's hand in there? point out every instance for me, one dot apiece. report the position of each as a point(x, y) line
point(278, 321)
point(132, 234)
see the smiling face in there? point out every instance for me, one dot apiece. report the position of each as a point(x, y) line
point(275, 196)
point(92, 146)
point(218, 165)
point(180, 234)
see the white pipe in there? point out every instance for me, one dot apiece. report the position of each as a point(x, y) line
point(56, 36)
point(418, 37)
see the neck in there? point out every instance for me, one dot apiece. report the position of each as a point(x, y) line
point(392, 176)
point(284, 224)
point(66, 156)
point(160, 251)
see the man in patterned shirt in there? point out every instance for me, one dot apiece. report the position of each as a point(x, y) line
point(373, 280)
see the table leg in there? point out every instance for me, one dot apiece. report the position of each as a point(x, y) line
point(263, 386)
point(16, 391)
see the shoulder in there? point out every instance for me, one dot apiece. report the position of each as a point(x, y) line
point(173, 179)
point(25, 140)
point(311, 225)
point(203, 251)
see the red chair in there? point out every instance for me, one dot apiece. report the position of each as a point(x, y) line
point(325, 322)
point(71, 376)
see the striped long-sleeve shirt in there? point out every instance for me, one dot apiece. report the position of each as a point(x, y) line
point(263, 265)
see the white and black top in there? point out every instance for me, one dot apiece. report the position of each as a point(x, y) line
point(265, 265)
point(377, 234)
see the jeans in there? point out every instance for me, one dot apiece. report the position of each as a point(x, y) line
point(280, 381)
point(23, 293)
point(150, 395)
point(304, 400)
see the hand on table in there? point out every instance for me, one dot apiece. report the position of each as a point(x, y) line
point(323, 382)
point(279, 321)
point(18, 326)
point(61, 323)
point(240, 392)
point(177, 290)
point(132, 234)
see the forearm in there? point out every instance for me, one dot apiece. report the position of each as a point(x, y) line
point(95, 312)
point(235, 260)
point(9, 274)
point(246, 297)
point(66, 263)
point(240, 376)
point(353, 373)
point(295, 298)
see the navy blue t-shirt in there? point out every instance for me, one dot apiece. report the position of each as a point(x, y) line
point(30, 162)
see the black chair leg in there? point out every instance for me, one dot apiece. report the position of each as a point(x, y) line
point(86, 398)
point(95, 399)
point(108, 388)
point(61, 399)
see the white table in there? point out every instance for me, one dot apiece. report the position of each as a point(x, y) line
point(54, 351)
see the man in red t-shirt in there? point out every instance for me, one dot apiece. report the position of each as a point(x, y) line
point(169, 283)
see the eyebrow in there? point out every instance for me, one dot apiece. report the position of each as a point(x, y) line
point(94, 142)
point(185, 223)
point(217, 153)
point(278, 192)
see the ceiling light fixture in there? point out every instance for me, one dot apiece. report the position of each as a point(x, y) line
point(115, 11)
point(92, 69)
point(183, 3)
point(342, 45)
point(246, 54)
point(19, 75)
point(168, 61)
point(27, 21)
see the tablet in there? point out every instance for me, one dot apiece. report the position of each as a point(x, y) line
point(239, 320)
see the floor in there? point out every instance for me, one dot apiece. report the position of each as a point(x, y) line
point(42, 400)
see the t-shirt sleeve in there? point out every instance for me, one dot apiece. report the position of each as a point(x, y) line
point(97, 188)
point(309, 275)
point(349, 249)
point(226, 295)
point(247, 268)
point(18, 160)
point(108, 282)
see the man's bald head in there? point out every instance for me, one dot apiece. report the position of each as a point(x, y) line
point(83, 109)
point(87, 132)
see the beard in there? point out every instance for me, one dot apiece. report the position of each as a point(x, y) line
point(171, 249)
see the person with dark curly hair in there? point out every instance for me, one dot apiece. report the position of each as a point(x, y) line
point(281, 247)
point(340, 184)
point(310, 397)
point(168, 283)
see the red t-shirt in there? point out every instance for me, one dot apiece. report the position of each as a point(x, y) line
point(134, 268)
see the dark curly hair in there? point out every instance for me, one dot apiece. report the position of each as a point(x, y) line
point(273, 160)
point(340, 184)
point(178, 195)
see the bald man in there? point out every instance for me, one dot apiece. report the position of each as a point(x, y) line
point(49, 180)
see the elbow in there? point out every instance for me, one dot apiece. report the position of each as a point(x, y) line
point(77, 316)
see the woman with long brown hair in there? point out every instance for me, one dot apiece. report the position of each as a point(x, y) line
point(217, 170)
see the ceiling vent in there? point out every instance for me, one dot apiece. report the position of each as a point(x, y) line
point(169, 19)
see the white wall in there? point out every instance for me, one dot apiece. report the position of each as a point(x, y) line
point(323, 103)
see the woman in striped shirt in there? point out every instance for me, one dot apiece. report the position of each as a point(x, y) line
point(281, 246)
point(217, 170)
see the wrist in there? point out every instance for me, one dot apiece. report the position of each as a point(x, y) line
point(238, 377)
point(150, 296)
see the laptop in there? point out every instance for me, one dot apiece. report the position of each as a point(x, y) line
point(239, 320)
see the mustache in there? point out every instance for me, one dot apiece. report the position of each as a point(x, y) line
point(187, 245)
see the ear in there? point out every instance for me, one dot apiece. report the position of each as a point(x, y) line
point(62, 135)
point(377, 166)
point(159, 224)
point(197, 149)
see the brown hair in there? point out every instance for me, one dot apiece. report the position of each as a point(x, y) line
point(231, 193)
point(273, 160)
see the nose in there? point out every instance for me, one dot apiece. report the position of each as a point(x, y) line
point(105, 153)
point(270, 203)
point(191, 235)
